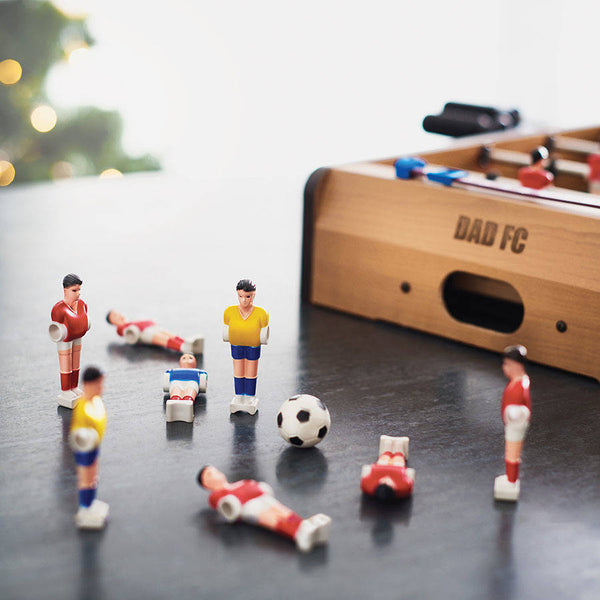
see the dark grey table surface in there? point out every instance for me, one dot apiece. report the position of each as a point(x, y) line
point(173, 251)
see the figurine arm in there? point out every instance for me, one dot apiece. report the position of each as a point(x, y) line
point(225, 333)
point(264, 335)
point(83, 439)
point(132, 333)
point(167, 380)
point(57, 331)
point(230, 507)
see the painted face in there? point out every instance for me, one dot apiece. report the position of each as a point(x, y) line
point(72, 294)
point(187, 361)
point(246, 299)
point(93, 388)
point(511, 368)
point(116, 318)
point(213, 479)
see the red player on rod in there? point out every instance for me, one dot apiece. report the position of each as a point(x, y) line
point(253, 502)
point(516, 413)
point(69, 324)
point(389, 478)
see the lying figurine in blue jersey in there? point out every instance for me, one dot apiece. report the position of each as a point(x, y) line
point(183, 385)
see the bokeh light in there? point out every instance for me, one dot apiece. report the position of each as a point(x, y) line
point(110, 174)
point(62, 170)
point(7, 173)
point(43, 118)
point(76, 52)
point(76, 9)
point(10, 71)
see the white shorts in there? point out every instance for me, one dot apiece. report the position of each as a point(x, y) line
point(516, 422)
point(68, 345)
point(183, 385)
point(148, 333)
point(252, 509)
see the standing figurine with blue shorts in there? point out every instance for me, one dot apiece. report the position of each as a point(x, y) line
point(246, 328)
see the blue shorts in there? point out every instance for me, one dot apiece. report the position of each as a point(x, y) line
point(85, 459)
point(247, 352)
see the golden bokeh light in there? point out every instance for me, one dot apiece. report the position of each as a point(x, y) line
point(10, 71)
point(7, 173)
point(110, 174)
point(43, 118)
point(62, 170)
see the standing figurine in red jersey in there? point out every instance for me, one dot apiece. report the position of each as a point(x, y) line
point(148, 332)
point(69, 324)
point(516, 413)
point(253, 502)
point(389, 479)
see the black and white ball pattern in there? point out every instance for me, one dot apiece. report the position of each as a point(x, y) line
point(303, 420)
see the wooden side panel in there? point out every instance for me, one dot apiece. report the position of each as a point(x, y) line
point(372, 232)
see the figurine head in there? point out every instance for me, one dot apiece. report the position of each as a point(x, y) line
point(210, 478)
point(93, 382)
point(72, 288)
point(187, 361)
point(246, 290)
point(514, 359)
point(115, 318)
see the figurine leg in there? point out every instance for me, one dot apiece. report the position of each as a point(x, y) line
point(394, 445)
point(508, 486)
point(76, 363)
point(67, 397)
point(180, 406)
point(92, 513)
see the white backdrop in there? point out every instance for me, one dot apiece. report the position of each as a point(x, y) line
point(275, 87)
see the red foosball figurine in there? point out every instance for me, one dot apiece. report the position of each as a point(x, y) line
point(148, 332)
point(253, 502)
point(389, 478)
point(536, 176)
point(516, 413)
point(69, 324)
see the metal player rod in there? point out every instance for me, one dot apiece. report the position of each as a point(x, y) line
point(520, 159)
point(409, 168)
point(569, 144)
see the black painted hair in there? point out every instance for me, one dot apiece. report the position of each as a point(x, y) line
point(384, 493)
point(71, 279)
point(92, 374)
point(108, 315)
point(540, 153)
point(199, 476)
point(517, 353)
point(247, 285)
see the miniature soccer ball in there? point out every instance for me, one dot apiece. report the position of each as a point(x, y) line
point(303, 420)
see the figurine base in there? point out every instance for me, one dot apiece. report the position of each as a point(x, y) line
point(505, 490)
point(313, 531)
point(180, 410)
point(93, 517)
point(68, 398)
point(193, 345)
point(247, 404)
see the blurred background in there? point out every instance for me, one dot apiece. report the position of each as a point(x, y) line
point(267, 88)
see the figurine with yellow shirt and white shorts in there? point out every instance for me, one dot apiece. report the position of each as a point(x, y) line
point(246, 329)
point(88, 424)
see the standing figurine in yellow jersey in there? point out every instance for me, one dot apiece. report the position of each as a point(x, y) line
point(246, 328)
point(87, 429)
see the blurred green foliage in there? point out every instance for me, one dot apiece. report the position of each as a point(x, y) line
point(34, 34)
